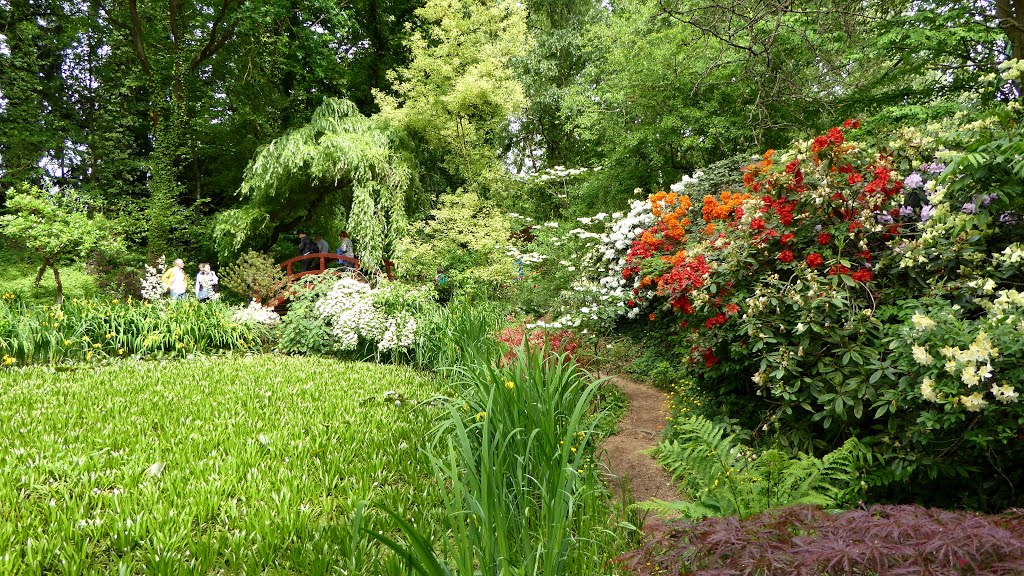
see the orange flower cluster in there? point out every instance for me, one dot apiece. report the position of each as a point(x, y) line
point(672, 208)
point(751, 172)
point(715, 210)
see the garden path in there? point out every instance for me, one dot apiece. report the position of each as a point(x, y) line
point(639, 430)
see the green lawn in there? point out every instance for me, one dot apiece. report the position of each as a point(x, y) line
point(221, 465)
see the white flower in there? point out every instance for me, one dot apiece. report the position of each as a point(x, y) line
point(1005, 393)
point(974, 402)
point(922, 322)
point(921, 355)
point(928, 390)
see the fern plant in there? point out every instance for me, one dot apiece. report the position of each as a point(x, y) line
point(725, 478)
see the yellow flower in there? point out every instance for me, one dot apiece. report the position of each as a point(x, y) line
point(510, 385)
point(88, 355)
point(120, 351)
point(480, 416)
point(110, 335)
point(8, 360)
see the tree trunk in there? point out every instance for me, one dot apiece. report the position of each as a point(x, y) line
point(39, 275)
point(60, 287)
point(1011, 20)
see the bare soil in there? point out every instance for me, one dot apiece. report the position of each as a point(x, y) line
point(639, 430)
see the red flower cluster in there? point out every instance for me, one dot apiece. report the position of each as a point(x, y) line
point(862, 275)
point(716, 320)
point(834, 137)
point(814, 260)
point(786, 256)
point(824, 238)
point(556, 341)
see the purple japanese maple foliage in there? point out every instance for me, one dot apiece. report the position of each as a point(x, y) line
point(804, 540)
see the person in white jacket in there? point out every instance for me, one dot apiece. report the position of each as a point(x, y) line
point(206, 283)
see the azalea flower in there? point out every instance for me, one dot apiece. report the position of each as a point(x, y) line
point(922, 322)
point(921, 355)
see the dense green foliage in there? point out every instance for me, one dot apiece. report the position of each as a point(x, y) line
point(57, 228)
point(240, 464)
point(518, 456)
point(87, 329)
point(726, 478)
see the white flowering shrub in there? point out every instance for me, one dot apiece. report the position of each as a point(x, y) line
point(153, 287)
point(256, 313)
point(384, 318)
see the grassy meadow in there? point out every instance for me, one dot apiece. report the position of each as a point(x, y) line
point(243, 464)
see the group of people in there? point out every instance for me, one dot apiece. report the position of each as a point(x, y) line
point(320, 246)
point(177, 285)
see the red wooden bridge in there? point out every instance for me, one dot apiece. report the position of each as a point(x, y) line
point(307, 265)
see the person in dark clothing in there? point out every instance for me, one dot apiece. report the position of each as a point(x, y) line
point(307, 246)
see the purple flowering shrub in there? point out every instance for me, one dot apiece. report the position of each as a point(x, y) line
point(804, 540)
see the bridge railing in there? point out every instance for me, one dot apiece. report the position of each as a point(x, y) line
point(321, 260)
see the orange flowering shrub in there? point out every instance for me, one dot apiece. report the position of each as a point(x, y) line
point(672, 208)
point(721, 210)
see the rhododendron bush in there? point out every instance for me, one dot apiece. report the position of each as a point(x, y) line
point(848, 287)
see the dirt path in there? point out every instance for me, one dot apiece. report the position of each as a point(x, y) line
point(639, 430)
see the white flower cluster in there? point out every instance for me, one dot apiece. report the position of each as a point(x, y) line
point(152, 284)
point(561, 172)
point(525, 258)
point(352, 313)
point(256, 313)
point(1011, 69)
point(1012, 255)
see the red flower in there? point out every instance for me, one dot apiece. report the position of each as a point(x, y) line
point(773, 233)
point(862, 275)
point(824, 238)
point(851, 124)
point(732, 308)
point(709, 358)
point(631, 303)
point(854, 226)
point(716, 320)
point(787, 237)
point(815, 260)
point(791, 167)
point(838, 269)
point(854, 178)
point(757, 224)
point(738, 212)
point(786, 256)
point(819, 144)
point(652, 316)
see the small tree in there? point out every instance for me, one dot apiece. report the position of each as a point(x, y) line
point(57, 227)
point(254, 275)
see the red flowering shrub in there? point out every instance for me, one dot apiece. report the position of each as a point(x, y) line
point(763, 278)
point(558, 341)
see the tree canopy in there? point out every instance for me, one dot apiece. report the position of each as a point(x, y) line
point(341, 170)
point(207, 127)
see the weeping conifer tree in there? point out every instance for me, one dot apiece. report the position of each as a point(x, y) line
point(342, 170)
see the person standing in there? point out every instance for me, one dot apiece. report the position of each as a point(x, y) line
point(206, 283)
point(306, 247)
point(345, 248)
point(174, 279)
point(322, 245)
